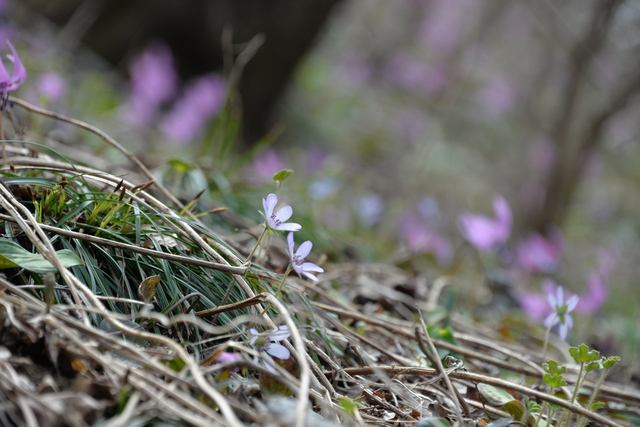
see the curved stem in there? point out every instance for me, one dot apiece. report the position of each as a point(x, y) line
point(253, 251)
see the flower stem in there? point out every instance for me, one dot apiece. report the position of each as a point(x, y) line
point(546, 339)
point(253, 251)
point(284, 277)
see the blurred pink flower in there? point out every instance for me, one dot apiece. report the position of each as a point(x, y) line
point(415, 75)
point(153, 81)
point(540, 254)
point(52, 86)
point(265, 165)
point(536, 304)
point(421, 238)
point(445, 23)
point(485, 233)
point(497, 98)
point(598, 283)
point(13, 81)
point(201, 101)
point(227, 357)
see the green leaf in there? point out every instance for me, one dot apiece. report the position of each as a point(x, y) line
point(554, 407)
point(147, 289)
point(493, 395)
point(610, 361)
point(596, 364)
point(282, 175)
point(13, 255)
point(598, 405)
point(514, 408)
point(434, 422)
point(553, 368)
point(349, 406)
point(554, 380)
point(532, 406)
point(180, 165)
point(582, 354)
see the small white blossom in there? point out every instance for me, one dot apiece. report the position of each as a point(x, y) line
point(277, 221)
point(297, 259)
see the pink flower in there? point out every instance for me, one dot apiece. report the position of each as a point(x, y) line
point(201, 101)
point(539, 254)
point(153, 81)
point(277, 221)
point(485, 233)
point(52, 86)
point(265, 165)
point(297, 259)
point(421, 238)
point(597, 293)
point(13, 82)
point(227, 357)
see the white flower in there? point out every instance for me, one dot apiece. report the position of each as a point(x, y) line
point(561, 310)
point(266, 345)
point(297, 259)
point(277, 221)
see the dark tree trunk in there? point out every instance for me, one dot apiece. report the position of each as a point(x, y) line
point(118, 29)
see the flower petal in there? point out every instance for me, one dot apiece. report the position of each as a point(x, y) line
point(19, 74)
point(288, 226)
point(284, 214)
point(269, 204)
point(551, 319)
point(572, 302)
point(279, 351)
point(309, 266)
point(310, 276)
point(253, 336)
point(304, 249)
point(269, 363)
point(290, 242)
point(280, 333)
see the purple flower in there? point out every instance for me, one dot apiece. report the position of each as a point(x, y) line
point(277, 221)
point(52, 86)
point(597, 293)
point(201, 101)
point(265, 165)
point(561, 310)
point(540, 254)
point(13, 82)
point(420, 237)
point(369, 208)
point(265, 344)
point(297, 259)
point(485, 233)
point(227, 357)
point(153, 81)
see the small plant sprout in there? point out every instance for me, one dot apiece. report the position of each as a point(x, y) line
point(274, 221)
point(486, 233)
point(266, 345)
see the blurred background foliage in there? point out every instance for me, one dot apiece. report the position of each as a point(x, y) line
point(395, 116)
